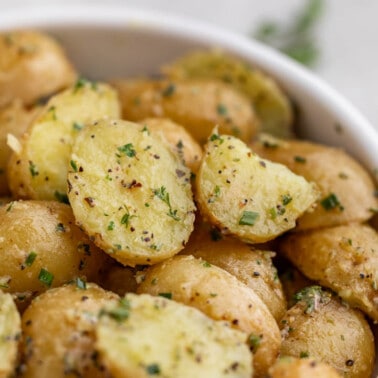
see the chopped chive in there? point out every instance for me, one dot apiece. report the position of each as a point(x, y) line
point(111, 226)
point(33, 169)
point(30, 258)
point(73, 165)
point(286, 199)
point(153, 369)
point(331, 202)
point(300, 159)
point(248, 218)
point(253, 342)
point(119, 313)
point(166, 295)
point(46, 277)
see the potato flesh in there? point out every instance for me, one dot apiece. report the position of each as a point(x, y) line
point(247, 196)
point(136, 213)
point(39, 171)
point(166, 338)
point(10, 333)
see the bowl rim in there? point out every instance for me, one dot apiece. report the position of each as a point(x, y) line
point(359, 129)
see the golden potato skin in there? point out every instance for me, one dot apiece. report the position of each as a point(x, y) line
point(38, 238)
point(198, 105)
point(347, 190)
point(32, 65)
point(251, 266)
point(179, 138)
point(119, 279)
point(342, 258)
point(58, 333)
point(160, 337)
point(221, 296)
point(272, 106)
point(10, 333)
point(14, 119)
point(290, 367)
point(319, 326)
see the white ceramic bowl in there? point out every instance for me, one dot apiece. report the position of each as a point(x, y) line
point(109, 41)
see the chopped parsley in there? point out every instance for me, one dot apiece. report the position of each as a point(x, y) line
point(153, 369)
point(30, 258)
point(111, 226)
point(253, 341)
point(45, 277)
point(312, 296)
point(119, 313)
point(127, 149)
point(304, 354)
point(164, 196)
point(248, 218)
point(215, 137)
point(286, 199)
point(33, 169)
point(331, 202)
point(166, 295)
point(206, 264)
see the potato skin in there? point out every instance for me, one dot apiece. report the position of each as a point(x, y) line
point(119, 279)
point(251, 266)
point(36, 235)
point(290, 367)
point(322, 328)
point(58, 332)
point(198, 105)
point(347, 190)
point(219, 295)
point(342, 258)
point(33, 65)
point(14, 119)
point(178, 137)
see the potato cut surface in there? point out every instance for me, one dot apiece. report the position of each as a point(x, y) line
point(10, 332)
point(144, 336)
point(38, 170)
point(247, 196)
point(130, 192)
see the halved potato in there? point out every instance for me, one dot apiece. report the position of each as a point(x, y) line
point(198, 105)
point(10, 334)
point(272, 106)
point(143, 336)
point(32, 65)
point(319, 326)
point(342, 258)
point(38, 166)
point(247, 196)
point(179, 138)
point(130, 192)
point(346, 189)
point(221, 296)
point(58, 329)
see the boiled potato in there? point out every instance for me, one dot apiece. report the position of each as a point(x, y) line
point(247, 196)
point(144, 336)
point(272, 106)
point(10, 333)
point(32, 65)
point(342, 258)
point(179, 138)
point(41, 247)
point(347, 190)
point(14, 119)
point(130, 192)
point(196, 104)
point(251, 266)
point(290, 367)
point(5, 200)
point(221, 296)
point(321, 327)
point(58, 332)
point(119, 279)
point(38, 166)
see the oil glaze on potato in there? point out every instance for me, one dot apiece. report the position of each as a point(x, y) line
point(10, 334)
point(41, 247)
point(144, 336)
point(198, 105)
point(343, 258)
point(251, 266)
point(32, 65)
point(130, 192)
point(58, 329)
point(247, 196)
point(38, 166)
point(347, 190)
point(221, 296)
point(319, 326)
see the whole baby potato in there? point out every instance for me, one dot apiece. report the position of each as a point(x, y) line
point(32, 65)
point(198, 105)
point(41, 247)
point(58, 329)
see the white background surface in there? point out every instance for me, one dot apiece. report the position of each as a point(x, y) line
point(347, 35)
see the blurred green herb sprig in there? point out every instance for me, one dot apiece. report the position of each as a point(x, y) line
point(297, 39)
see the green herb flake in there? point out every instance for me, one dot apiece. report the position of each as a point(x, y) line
point(206, 264)
point(248, 218)
point(286, 199)
point(215, 137)
point(153, 369)
point(304, 354)
point(126, 218)
point(10, 206)
point(61, 197)
point(169, 90)
point(80, 283)
point(222, 110)
point(45, 277)
point(33, 169)
point(217, 191)
point(81, 82)
point(77, 126)
point(300, 159)
point(73, 165)
point(127, 149)
point(164, 196)
point(312, 297)
point(52, 111)
point(119, 313)
point(331, 202)
point(111, 226)
point(30, 258)
point(165, 295)
point(254, 342)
